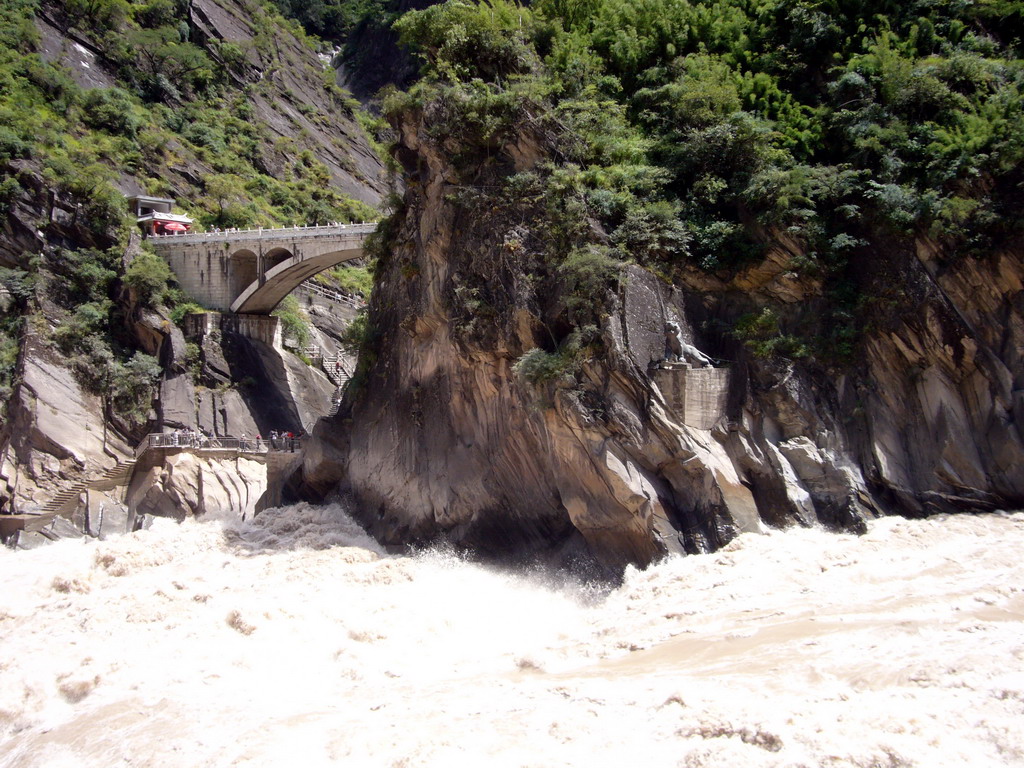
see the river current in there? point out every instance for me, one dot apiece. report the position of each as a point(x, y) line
point(294, 640)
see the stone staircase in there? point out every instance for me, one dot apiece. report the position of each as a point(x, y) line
point(66, 500)
point(339, 374)
point(336, 369)
point(336, 401)
point(63, 503)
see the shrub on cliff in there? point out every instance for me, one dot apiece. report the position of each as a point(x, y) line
point(148, 275)
point(539, 366)
point(294, 322)
point(696, 134)
point(460, 42)
point(588, 273)
point(110, 109)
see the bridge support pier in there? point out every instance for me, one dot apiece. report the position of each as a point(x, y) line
point(265, 328)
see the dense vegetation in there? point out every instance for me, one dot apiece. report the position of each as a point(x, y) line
point(176, 101)
point(700, 134)
point(178, 120)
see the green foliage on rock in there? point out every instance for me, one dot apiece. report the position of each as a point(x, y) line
point(356, 334)
point(700, 134)
point(539, 366)
point(294, 322)
point(760, 333)
point(179, 122)
point(184, 308)
point(176, 104)
point(357, 281)
point(148, 275)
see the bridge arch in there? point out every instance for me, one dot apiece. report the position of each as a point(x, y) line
point(275, 256)
point(285, 277)
point(250, 271)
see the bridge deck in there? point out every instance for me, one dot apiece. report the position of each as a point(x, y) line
point(270, 233)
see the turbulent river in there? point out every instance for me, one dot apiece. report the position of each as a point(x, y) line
point(294, 640)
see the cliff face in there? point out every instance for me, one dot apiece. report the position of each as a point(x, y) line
point(371, 58)
point(59, 432)
point(284, 83)
point(626, 462)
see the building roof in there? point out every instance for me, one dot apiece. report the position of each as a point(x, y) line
point(148, 199)
point(158, 216)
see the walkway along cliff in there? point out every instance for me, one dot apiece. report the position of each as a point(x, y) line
point(440, 438)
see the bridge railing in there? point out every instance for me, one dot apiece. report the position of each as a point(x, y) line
point(197, 442)
point(317, 230)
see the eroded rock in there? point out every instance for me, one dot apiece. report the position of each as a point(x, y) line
point(445, 441)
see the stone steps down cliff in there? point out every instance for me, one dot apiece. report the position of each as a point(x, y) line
point(63, 504)
point(340, 375)
point(336, 401)
point(66, 500)
point(336, 370)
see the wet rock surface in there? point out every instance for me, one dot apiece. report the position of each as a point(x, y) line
point(179, 484)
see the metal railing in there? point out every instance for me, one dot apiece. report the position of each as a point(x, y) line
point(196, 442)
point(311, 286)
point(317, 230)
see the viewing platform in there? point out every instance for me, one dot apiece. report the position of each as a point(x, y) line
point(200, 443)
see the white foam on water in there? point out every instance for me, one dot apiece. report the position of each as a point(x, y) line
point(295, 640)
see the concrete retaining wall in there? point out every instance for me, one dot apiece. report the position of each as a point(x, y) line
point(257, 327)
point(696, 396)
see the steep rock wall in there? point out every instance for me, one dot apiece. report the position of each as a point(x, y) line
point(444, 440)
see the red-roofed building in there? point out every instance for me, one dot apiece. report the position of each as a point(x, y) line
point(155, 217)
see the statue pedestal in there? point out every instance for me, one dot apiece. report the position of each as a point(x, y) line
point(695, 396)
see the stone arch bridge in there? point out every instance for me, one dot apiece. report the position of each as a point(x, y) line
point(250, 271)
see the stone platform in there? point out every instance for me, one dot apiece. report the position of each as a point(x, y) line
point(695, 396)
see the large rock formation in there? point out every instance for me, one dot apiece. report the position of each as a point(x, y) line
point(55, 432)
point(180, 484)
point(443, 439)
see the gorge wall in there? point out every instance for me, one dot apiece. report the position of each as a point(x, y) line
point(443, 440)
point(288, 122)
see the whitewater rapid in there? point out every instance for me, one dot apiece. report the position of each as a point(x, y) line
point(294, 640)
